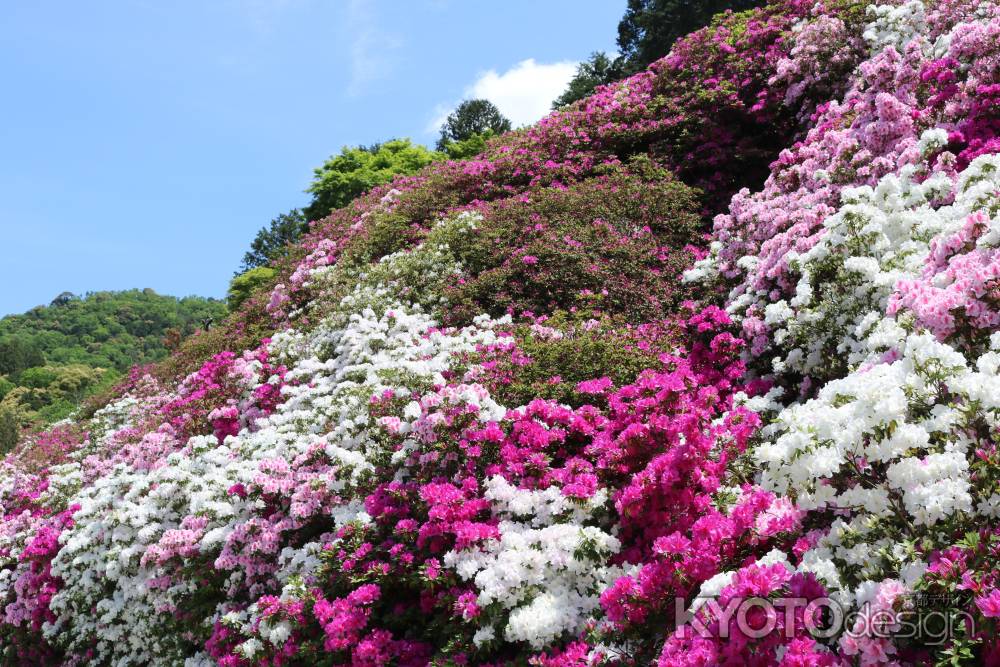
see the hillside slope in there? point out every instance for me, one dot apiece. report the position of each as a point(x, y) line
point(726, 331)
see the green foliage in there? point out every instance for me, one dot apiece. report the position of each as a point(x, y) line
point(49, 393)
point(650, 27)
point(9, 430)
point(596, 71)
point(419, 275)
point(244, 285)
point(471, 118)
point(104, 329)
point(38, 378)
point(467, 148)
point(17, 354)
point(557, 365)
point(272, 241)
point(386, 234)
point(612, 244)
point(356, 170)
point(337, 182)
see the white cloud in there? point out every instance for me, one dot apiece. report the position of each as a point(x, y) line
point(438, 116)
point(524, 93)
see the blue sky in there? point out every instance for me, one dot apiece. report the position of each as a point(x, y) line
point(143, 143)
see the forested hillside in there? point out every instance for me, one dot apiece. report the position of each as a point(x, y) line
point(700, 369)
point(54, 356)
point(111, 329)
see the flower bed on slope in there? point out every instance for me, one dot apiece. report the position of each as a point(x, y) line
point(598, 470)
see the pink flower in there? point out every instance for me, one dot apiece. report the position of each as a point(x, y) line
point(990, 604)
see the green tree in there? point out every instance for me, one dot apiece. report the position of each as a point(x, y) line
point(39, 377)
point(63, 299)
point(471, 118)
point(650, 27)
point(272, 241)
point(5, 387)
point(596, 71)
point(466, 148)
point(340, 179)
point(10, 430)
point(244, 285)
point(356, 170)
point(18, 354)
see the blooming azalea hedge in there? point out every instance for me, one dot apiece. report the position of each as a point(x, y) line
point(533, 408)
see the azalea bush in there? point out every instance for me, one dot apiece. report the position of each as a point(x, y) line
point(533, 408)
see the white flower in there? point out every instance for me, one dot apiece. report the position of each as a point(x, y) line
point(483, 635)
point(250, 648)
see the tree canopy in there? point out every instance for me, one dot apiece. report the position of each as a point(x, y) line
point(10, 430)
point(245, 284)
point(17, 354)
point(272, 241)
point(596, 71)
point(467, 148)
point(472, 118)
point(358, 169)
point(341, 178)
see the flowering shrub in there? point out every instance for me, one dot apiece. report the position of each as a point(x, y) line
point(585, 248)
point(710, 113)
point(494, 426)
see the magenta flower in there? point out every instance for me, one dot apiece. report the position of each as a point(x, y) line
point(990, 604)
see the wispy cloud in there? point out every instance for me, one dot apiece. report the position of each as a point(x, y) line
point(438, 116)
point(262, 14)
point(371, 49)
point(524, 93)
